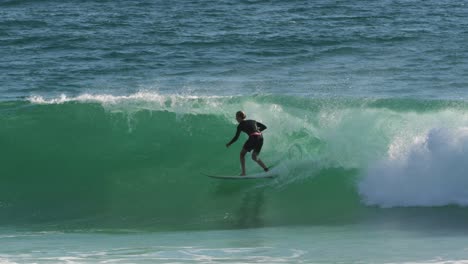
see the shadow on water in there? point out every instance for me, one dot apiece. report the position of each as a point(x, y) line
point(251, 209)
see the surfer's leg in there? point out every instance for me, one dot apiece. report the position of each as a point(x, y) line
point(256, 151)
point(242, 161)
point(259, 161)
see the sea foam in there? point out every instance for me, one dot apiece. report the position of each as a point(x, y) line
point(431, 171)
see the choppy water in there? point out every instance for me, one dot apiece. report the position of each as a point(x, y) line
point(331, 48)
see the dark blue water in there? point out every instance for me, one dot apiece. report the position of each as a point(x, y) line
point(326, 48)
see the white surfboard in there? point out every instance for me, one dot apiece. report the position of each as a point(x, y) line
point(247, 177)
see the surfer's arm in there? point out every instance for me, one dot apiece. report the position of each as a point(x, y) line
point(234, 139)
point(261, 126)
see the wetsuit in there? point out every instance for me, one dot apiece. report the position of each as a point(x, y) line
point(253, 129)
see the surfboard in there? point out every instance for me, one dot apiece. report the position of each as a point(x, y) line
point(247, 177)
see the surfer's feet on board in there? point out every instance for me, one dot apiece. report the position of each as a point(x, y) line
point(266, 169)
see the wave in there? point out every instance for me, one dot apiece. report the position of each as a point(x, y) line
point(137, 159)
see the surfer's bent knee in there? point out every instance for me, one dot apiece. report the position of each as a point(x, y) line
point(254, 156)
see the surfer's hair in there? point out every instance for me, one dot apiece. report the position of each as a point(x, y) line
point(241, 114)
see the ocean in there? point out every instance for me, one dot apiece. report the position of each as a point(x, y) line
point(112, 111)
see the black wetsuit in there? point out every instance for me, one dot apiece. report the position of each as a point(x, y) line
point(253, 129)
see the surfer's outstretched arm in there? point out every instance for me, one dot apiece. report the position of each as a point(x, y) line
point(234, 139)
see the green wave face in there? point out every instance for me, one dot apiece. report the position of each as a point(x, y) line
point(127, 161)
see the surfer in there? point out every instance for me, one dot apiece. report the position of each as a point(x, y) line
point(255, 142)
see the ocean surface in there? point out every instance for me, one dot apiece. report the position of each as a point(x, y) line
point(111, 111)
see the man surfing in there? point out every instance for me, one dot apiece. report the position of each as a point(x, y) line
point(255, 142)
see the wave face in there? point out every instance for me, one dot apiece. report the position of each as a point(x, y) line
point(137, 160)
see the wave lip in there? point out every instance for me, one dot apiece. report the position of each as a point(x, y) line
point(179, 103)
point(106, 98)
point(432, 172)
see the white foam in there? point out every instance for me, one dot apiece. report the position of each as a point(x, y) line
point(431, 171)
point(108, 98)
point(436, 261)
point(177, 103)
point(6, 261)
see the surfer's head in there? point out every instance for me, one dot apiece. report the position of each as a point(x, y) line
point(240, 116)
